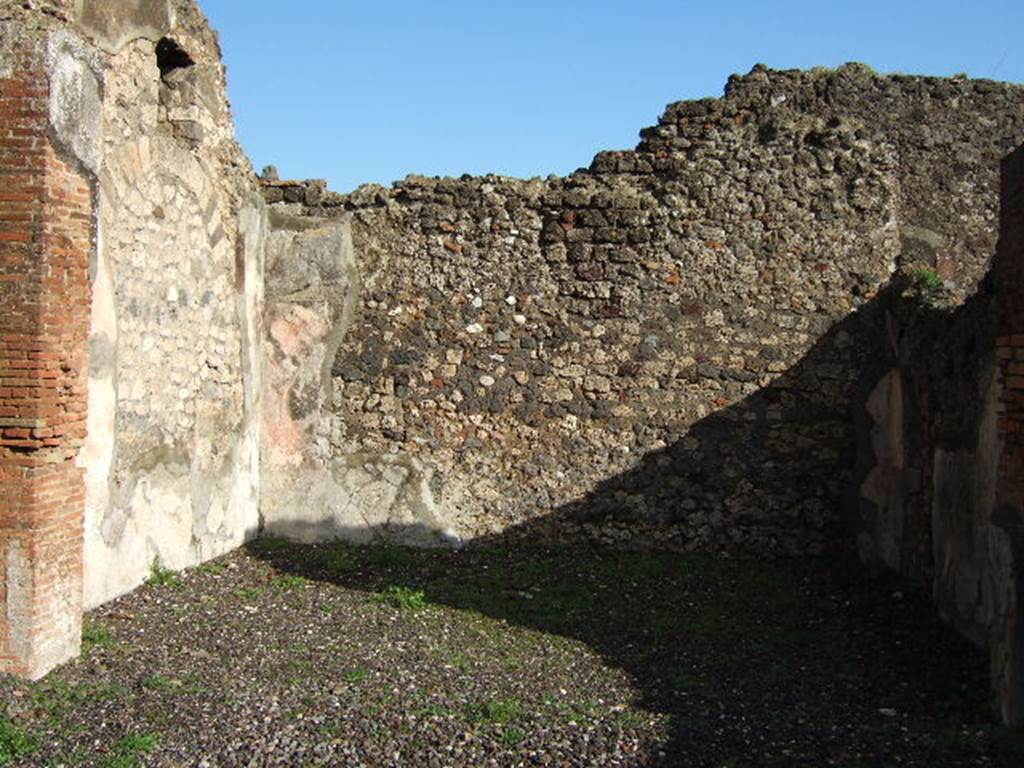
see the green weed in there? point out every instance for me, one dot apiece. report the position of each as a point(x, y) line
point(69, 759)
point(15, 742)
point(628, 718)
point(458, 661)
point(59, 699)
point(336, 558)
point(162, 577)
point(95, 636)
point(498, 711)
point(435, 710)
point(928, 287)
point(128, 752)
point(402, 598)
point(356, 675)
point(512, 736)
point(160, 683)
point(211, 569)
point(289, 583)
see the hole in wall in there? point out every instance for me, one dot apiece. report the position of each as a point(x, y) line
point(181, 93)
point(171, 56)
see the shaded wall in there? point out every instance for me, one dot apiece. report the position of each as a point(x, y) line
point(1008, 511)
point(937, 487)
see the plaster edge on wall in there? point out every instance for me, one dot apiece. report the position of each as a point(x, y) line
point(253, 230)
point(76, 74)
point(112, 26)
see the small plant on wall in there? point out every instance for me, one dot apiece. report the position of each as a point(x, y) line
point(928, 288)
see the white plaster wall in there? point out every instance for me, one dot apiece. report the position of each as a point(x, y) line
point(172, 455)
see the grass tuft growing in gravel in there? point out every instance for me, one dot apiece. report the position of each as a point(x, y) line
point(95, 635)
point(289, 583)
point(160, 683)
point(500, 711)
point(159, 576)
point(129, 751)
point(403, 598)
point(14, 742)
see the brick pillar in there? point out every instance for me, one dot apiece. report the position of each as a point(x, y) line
point(1008, 516)
point(45, 241)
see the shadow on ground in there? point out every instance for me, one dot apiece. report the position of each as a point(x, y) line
point(751, 661)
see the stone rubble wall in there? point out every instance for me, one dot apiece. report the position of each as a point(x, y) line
point(661, 350)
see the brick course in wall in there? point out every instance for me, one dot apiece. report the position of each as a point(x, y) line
point(45, 242)
point(1009, 272)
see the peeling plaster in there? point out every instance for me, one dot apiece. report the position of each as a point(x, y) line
point(309, 493)
point(113, 24)
point(76, 97)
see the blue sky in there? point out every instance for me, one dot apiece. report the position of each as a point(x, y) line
point(371, 91)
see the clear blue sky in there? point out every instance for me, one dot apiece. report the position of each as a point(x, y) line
point(370, 91)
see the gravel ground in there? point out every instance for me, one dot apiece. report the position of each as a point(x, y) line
point(281, 655)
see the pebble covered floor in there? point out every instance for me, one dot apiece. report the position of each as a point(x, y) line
point(281, 655)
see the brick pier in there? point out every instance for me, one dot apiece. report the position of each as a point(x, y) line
point(46, 215)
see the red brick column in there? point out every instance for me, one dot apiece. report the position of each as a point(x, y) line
point(45, 241)
point(1008, 516)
